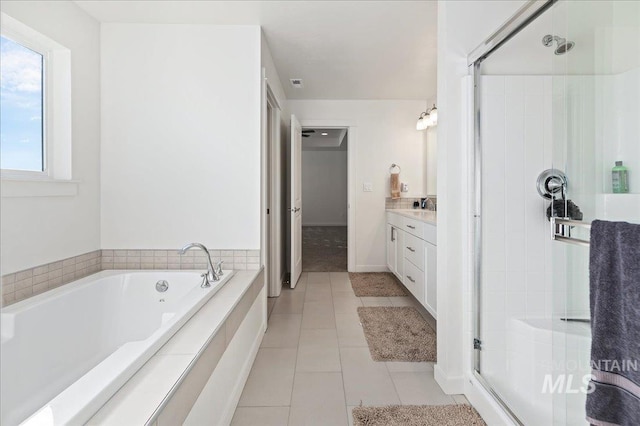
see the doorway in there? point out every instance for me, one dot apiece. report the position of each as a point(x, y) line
point(294, 190)
point(325, 199)
point(273, 244)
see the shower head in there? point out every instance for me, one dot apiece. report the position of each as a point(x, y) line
point(563, 45)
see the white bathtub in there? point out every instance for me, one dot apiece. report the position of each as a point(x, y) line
point(65, 352)
point(539, 347)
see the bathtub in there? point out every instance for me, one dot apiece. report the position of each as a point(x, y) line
point(65, 352)
point(543, 346)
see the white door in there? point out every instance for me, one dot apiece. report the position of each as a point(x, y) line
point(296, 201)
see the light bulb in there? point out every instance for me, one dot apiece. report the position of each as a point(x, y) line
point(434, 115)
point(419, 124)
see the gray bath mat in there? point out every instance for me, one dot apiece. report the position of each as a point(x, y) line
point(417, 415)
point(397, 334)
point(376, 284)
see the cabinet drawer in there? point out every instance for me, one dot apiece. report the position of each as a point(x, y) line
point(414, 250)
point(430, 233)
point(413, 227)
point(394, 219)
point(414, 280)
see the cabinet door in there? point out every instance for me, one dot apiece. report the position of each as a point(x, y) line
point(430, 278)
point(400, 239)
point(391, 248)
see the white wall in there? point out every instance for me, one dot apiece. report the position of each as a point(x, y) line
point(619, 113)
point(324, 188)
point(386, 134)
point(180, 136)
point(431, 161)
point(462, 25)
point(39, 230)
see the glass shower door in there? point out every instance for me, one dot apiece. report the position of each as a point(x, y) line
point(515, 306)
point(596, 99)
point(558, 105)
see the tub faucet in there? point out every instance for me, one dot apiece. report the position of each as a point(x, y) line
point(211, 275)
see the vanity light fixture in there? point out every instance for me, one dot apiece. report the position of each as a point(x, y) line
point(324, 134)
point(434, 114)
point(427, 118)
point(422, 122)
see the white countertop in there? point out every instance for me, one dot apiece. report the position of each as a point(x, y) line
point(426, 216)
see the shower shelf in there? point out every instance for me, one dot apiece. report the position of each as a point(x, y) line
point(561, 230)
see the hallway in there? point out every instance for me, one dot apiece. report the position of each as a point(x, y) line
point(314, 364)
point(324, 248)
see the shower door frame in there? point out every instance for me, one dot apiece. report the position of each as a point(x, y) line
point(521, 19)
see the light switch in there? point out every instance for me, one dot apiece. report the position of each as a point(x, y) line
point(367, 187)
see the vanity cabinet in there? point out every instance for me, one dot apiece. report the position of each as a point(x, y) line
point(395, 245)
point(412, 256)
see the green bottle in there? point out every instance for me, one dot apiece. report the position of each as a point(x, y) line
point(620, 179)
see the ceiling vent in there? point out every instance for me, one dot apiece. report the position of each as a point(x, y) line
point(296, 83)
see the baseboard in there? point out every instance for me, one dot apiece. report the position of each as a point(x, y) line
point(450, 385)
point(371, 268)
point(485, 404)
point(325, 224)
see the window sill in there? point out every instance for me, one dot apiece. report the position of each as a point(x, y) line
point(17, 188)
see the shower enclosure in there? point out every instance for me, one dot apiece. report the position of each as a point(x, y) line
point(556, 102)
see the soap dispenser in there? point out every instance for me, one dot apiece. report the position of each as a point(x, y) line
point(620, 179)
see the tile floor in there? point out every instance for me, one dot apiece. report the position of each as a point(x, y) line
point(314, 365)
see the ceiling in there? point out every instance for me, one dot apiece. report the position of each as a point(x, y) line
point(324, 139)
point(340, 49)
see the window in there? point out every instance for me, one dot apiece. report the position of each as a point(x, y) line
point(35, 110)
point(21, 107)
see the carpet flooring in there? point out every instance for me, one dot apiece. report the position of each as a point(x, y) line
point(376, 284)
point(397, 334)
point(417, 415)
point(324, 248)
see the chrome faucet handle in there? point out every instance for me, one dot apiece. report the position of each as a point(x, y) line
point(205, 280)
point(218, 268)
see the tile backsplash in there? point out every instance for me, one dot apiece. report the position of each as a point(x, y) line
point(406, 203)
point(24, 284)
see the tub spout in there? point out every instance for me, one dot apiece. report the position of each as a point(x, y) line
point(211, 274)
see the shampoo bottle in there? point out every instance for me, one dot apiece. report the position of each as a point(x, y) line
point(620, 179)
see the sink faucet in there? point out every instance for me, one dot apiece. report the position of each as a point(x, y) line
point(424, 203)
point(211, 275)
